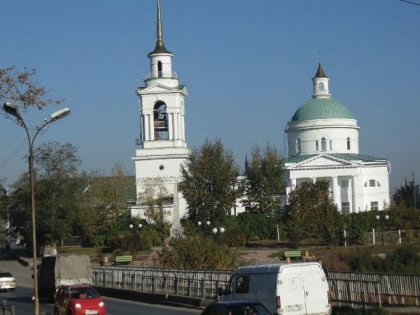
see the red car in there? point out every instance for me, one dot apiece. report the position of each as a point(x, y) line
point(78, 299)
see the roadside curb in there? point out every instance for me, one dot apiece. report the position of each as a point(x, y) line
point(153, 298)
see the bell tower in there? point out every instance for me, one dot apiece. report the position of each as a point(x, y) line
point(162, 148)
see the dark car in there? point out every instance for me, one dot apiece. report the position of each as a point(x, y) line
point(240, 307)
point(78, 299)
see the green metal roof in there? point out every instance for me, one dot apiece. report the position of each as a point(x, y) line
point(321, 108)
point(342, 156)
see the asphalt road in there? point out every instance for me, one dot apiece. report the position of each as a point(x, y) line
point(21, 299)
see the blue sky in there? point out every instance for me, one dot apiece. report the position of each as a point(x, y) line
point(247, 66)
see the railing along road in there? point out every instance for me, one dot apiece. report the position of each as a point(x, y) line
point(345, 287)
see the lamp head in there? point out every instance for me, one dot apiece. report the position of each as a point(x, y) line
point(12, 109)
point(60, 113)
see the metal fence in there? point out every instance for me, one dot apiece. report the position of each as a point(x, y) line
point(345, 287)
point(181, 282)
point(371, 288)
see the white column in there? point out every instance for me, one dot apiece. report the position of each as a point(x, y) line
point(150, 127)
point(182, 127)
point(350, 193)
point(146, 127)
point(170, 126)
point(336, 192)
point(357, 196)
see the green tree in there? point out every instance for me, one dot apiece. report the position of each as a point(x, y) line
point(408, 195)
point(264, 181)
point(56, 192)
point(22, 89)
point(209, 182)
point(57, 189)
point(104, 210)
point(4, 215)
point(155, 197)
point(310, 211)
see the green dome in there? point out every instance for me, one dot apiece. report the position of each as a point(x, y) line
point(321, 108)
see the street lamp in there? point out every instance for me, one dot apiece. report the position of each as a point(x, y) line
point(218, 232)
point(382, 218)
point(13, 110)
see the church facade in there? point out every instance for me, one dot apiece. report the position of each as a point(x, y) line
point(322, 139)
point(323, 144)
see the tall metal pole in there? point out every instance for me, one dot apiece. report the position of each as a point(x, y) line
point(33, 211)
point(13, 110)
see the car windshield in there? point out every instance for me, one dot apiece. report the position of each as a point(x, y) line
point(84, 293)
point(5, 275)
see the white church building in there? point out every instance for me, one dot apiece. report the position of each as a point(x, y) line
point(323, 144)
point(322, 137)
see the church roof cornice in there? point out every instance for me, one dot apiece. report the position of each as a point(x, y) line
point(351, 157)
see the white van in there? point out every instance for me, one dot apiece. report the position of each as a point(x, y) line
point(286, 288)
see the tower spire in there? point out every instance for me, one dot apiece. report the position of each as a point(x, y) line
point(160, 46)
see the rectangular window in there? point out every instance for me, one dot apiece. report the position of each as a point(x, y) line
point(372, 183)
point(345, 207)
point(374, 205)
point(316, 145)
point(242, 284)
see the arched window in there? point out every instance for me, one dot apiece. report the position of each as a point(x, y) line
point(159, 69)
point(348, 143)
point(323, 144)
point(298, 146)
point(160, 120)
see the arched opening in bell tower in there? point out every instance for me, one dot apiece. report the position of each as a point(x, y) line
point(160, 120)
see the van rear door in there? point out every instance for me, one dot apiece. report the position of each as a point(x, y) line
point(316, 290)
point(291, 291)
point(303, 290)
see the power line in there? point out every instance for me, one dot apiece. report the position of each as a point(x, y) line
point(411, 2)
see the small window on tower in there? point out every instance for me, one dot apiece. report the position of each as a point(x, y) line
point(321, 86)
point(345, 207)
point(298, 146)
point(159, 69)
point(374, 205)
point(323, 144)
point(316, 146)
point(348, 143)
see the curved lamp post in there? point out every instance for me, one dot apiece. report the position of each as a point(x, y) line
point(12, 110)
